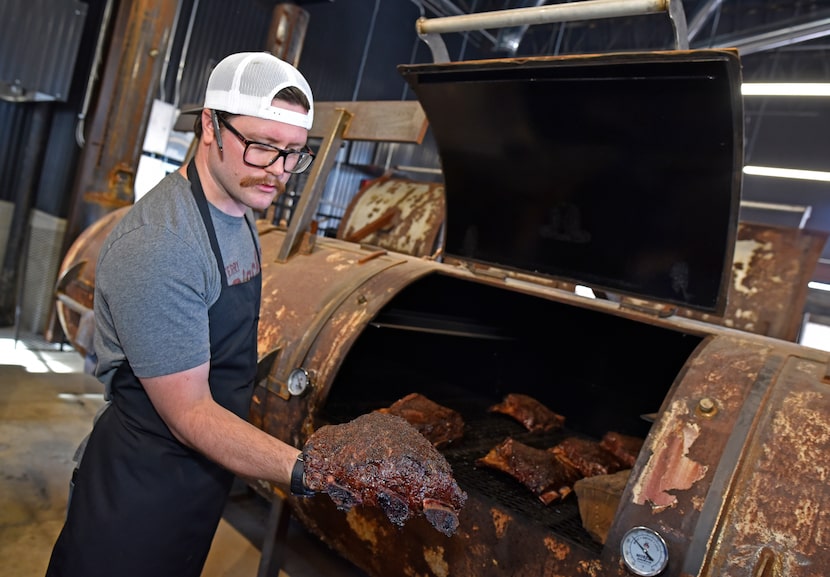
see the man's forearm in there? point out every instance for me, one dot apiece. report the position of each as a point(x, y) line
point(184, 402)
point(239, 446)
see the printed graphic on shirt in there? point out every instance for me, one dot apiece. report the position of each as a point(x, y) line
point(238, 273)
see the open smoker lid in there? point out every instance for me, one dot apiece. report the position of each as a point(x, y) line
point(618, 171)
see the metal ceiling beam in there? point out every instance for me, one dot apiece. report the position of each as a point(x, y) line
point(702, 16)
point(792, 32)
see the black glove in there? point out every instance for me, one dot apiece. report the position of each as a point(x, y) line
point(298, 486)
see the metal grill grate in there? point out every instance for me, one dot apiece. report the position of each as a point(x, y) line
point(482, 432)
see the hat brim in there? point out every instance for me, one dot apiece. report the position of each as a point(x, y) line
point(184, 122)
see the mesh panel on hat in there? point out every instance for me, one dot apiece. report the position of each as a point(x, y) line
point(259, 78)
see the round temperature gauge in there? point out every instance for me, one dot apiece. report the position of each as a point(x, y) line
point(298, 381)
point(644, 552)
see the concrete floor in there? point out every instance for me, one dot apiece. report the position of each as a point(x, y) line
point(47, 404)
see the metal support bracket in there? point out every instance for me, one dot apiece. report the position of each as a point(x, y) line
point(310, 197)
point(273, 544)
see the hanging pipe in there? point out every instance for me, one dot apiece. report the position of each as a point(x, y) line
point(429, 29)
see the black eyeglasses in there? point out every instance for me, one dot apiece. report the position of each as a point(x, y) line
point(264, 155)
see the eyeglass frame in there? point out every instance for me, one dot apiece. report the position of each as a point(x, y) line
point(218, 118)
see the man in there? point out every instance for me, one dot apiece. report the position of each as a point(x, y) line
point(177, 300)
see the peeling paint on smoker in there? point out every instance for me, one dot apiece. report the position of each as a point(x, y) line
point(590, 568)
point(364, 528)
point(558, 550)
point(435, 559)
point(396, 214)
point(770, 270)
point(500, 522)
point(669, 468)
point(745, 251)
point(778, 516)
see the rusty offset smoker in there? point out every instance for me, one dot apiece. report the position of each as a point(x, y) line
point(620, 172)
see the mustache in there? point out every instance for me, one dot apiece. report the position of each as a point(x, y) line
point(255, 181)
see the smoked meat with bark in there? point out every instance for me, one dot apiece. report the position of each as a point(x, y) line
point(380, 460)
point(586, 456)
point(537, 469)
point(532, 414)
point(439, 424)
point(625, 447)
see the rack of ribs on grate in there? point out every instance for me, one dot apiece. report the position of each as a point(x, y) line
point(439, 424)
point(531, 413)
point(551, 473)
point(537, 469)
point(381, 460)
point(625, 447)
point(588, 457)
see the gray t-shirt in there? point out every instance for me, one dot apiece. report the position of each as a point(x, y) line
point(157, 277)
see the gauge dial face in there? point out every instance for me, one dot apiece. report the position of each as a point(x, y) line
point(644, 552)
point(298, 381)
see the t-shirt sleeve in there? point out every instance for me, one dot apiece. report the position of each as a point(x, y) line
point(156, 290)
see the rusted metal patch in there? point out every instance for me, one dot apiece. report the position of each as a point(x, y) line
point(434, 557)
point(557, 548)
point(670, 468)
point(500, 522)
point(365, 529)
point(396, 214)
point(590, 568)
point(770, 269)
point(778, 522)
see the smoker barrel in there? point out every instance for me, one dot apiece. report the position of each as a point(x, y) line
point(465, 341)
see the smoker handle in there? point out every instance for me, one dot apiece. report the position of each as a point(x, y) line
point(430, 29)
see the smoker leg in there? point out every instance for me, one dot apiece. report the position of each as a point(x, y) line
point(273, 543)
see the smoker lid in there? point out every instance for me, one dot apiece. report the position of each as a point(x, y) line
point(618, 171)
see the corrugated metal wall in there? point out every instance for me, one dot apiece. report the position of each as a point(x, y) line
point(218, 29)
point(39, 42)
point(13, 118)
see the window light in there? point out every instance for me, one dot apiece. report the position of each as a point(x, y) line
point(787, 173)
point(785, 89)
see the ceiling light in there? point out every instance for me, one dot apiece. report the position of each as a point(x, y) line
point(787, 173)
point(785, 89)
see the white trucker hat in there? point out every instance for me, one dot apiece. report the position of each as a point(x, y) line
point(246, 83)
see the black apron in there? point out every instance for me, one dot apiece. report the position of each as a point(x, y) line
point(143, 504)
